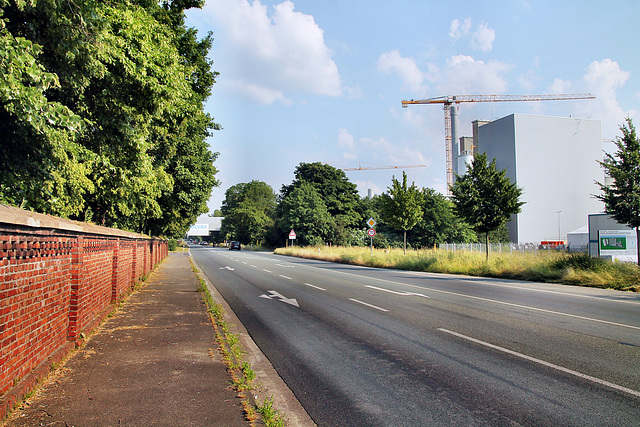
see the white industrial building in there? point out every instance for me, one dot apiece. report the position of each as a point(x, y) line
point(554, 160)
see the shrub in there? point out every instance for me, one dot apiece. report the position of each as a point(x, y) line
point(173, 244)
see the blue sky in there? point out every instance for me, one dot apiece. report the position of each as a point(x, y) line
point(323, 81)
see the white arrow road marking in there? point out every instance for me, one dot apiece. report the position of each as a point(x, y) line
point(274, 294)
point(404, 294)
point(226, 267)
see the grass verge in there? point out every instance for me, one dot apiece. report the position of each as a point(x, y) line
point(242, 376)
point(551, 267)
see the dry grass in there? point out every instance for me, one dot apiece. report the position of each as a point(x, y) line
point(555, 267)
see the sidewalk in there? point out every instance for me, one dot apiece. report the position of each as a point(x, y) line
point(155, 362)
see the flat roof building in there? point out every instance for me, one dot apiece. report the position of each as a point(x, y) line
point(555, 161)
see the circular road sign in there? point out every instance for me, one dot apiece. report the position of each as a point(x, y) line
point(371, 232)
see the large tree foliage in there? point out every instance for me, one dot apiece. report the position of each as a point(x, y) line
point(439, 224)
point(136, 79)
point(248, 211)
point(402, 206)
point(622, 197)
point(337, 192)
point(485, 197)
point(304, 211)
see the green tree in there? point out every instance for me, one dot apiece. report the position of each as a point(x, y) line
point(402, 206)
point(115, 127)
point(41, 165)
point(304, 211)
point(485, 197)
point(336, 191)
point(439, 224)
point(622, 197)
point(248, 211)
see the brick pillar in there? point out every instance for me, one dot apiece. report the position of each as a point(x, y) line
point(134, 262)
point(77, 265)
point(114, 271)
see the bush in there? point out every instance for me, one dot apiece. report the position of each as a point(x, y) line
point(173, 244)
point(580, 261)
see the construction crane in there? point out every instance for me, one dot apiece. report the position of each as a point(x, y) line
point(379, 167)
point(450, 106)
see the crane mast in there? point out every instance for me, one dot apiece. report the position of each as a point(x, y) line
point(450, 107)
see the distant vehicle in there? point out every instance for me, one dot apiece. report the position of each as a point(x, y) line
point(234, 245)
point(204, 243)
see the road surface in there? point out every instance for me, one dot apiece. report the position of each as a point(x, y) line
point(361, 346)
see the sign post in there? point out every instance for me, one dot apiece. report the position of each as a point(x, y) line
point(371, 232)
point(292, 236)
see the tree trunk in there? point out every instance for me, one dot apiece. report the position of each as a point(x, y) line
point(486, 245)
point(405, 242)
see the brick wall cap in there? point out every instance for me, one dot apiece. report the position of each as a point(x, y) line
point(14, 216)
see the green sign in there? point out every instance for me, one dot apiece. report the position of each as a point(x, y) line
point(613, 243)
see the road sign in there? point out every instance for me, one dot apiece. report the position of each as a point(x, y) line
point(371, 232)
point(292, 235)
point(371, 222)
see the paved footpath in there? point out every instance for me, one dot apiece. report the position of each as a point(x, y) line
point(155, 362)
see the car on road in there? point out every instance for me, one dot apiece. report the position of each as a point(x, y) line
point(234, 245)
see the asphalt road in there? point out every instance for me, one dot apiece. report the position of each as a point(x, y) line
point(361, 346)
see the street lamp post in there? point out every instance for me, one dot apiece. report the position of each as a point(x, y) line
point(558, 212)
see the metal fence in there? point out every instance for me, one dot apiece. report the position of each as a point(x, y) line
point(507, 247)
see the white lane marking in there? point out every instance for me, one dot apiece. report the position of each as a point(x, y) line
point(368, 305)
point(545, 363)
point(244, 262)
point(495, 301)
point(226, 267)
point(404, 294)
point(559, 313)
point(268, 271)
point(314, 286)
point(285, 277)
point(254, 266)
point(285, 266)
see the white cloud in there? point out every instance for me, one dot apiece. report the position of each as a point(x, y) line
point(406, 68)
point(463, 75)
point(483, 38)
point(603, 79)
point(458, 30)
point(560, 86)
point(345, 139)
point(259, 94)
point(274, 50)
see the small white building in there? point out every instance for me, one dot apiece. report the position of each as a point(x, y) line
point(555, 161)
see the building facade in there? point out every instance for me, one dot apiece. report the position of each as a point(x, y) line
point(555, 161)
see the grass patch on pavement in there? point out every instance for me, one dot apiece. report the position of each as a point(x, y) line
point(242, 376)
point(545, 266)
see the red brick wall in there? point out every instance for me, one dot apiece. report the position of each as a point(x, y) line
point(55, 284)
